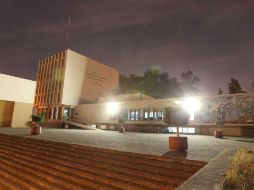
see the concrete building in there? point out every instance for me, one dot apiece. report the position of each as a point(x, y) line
point(16, 101)
point(145, 114)
point(67, 79)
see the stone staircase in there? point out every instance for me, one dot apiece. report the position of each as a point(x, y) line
point(28, 163)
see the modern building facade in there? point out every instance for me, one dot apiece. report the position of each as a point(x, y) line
point(67, 79)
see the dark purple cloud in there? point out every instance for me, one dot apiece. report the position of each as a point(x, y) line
point(213, 38)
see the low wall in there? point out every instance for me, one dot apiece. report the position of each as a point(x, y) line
point(21, 114)
point(227, 130)
point(236, 131)
point(211, 176)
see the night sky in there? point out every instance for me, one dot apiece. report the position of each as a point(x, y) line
point(213, 38)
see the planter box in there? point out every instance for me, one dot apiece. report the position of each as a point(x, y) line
point(35, 130)
point(179, 144)
point(218, 134)
point(122, 130)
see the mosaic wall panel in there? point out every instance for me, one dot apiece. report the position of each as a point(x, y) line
point(237, 108)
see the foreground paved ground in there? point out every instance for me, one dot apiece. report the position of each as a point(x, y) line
point(202, 148)
point(36, 164)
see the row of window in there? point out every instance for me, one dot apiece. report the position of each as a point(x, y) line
point(181, 130)
point(144, 114)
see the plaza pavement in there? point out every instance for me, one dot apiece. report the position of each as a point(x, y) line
point(202, 148)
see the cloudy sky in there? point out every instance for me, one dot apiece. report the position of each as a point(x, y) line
point(213, 38)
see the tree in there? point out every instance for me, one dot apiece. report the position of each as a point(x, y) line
point(220, 92)
point(234, 86)
point(159, 85)
point(130, 84)
point(176, 116)
point(151, 82)
point(189, 83)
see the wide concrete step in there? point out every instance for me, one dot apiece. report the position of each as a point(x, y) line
point(119, 155)
point(27, 163)
point(128, 162)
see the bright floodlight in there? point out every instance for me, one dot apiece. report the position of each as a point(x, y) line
point(191, 105)
point(112, 107)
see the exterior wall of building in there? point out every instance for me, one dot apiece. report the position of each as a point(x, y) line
point(100, 80)
point(21, 115)
point(239, 112)
point(74, 77)
point(98, 113)
point(85, 80)
point(124, 98)
point(228, 130)
point(16, 89)
point(15, 92)
point(93, 113)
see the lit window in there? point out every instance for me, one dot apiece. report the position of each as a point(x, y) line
point(151, 114)
point(137, 115)
point(132, 115)
point(159, 115)
point(191, 130)
point(155, 114)
point(146, 113)
point(185, 130)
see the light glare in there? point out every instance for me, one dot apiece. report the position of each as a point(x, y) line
point(112, 107)
point(191, 104)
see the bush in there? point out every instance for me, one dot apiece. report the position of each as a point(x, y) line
point(240, 175)
point(39, 119)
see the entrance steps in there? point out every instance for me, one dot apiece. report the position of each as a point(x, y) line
point(81, 125)
point(28, 163)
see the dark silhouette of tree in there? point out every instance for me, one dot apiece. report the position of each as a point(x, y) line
point(189, 83)
point(130, 84)
point(157, 84)
point(234, 86)
point(220, 92)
